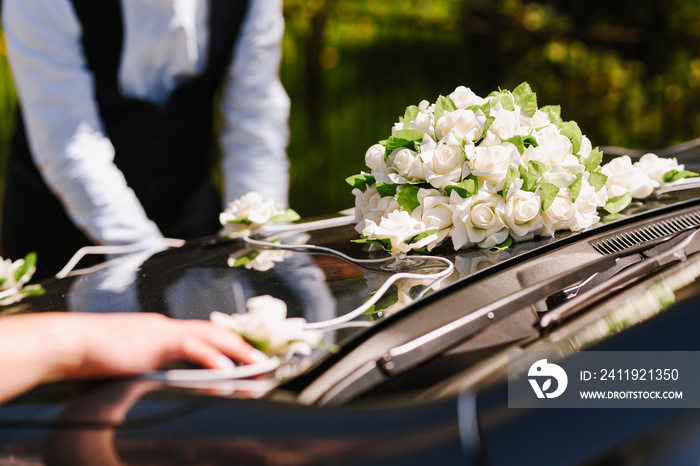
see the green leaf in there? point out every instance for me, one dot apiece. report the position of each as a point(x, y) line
point(575, 187)
point(553, 112)
point(518, 142)
point(597, 180)
point(548, 192)
point(487, 125)
point(257, 344)
point(571, 130)
point(32, 290)
point(410, 115)
point(421, 235)
point(531, 174)
point(405, 138)
point(675, 175)
point(613, 217)
point(465, 188)
point(384, 242)
point(389, 298)
point(386, 189)
point(511, 175)
point(26, 268)
point(442, 105)
point(408, 198)
point(289, 215)
point(524, 97)
point(243, 260)
point(592, 162)
point(506, 100)
point(530, 141)
point(503, 246)
point(360, 181)
point(618, 203)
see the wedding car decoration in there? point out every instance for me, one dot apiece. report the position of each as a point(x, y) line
point(245, 215)
point(14, 276)
point(267, 327)
point(488, 171)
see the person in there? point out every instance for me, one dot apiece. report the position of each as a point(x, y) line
point(54, 346)
point(114, 142)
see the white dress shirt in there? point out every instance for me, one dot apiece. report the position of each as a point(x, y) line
point(164, 41)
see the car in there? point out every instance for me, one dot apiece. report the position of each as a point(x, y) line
point(420, 377)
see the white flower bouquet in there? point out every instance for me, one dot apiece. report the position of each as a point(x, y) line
point(14, 276)
point(488, 171)
point(267, 327)
point(245, 215)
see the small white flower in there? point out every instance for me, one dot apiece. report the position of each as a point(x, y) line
point(249, 212)
point(623, 177)
point(522, 212)
point(491, 163)
point(656, 167)
point(264, 259)
point(478, 220)
point(462, 123)
point(399, 228)
point(407, 164)
point(435, 213)
point(558, 177)
point(561, 215)
point(267, 327)
point(8, 269)
point(442, 163)
point(374, 158)
point(463, 97)
point(365, 201)
point(384, 207)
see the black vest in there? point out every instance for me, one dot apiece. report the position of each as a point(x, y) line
point(166, 152)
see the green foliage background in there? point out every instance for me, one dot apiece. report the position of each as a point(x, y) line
point(628, 72)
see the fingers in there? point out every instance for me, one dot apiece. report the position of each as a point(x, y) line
point(205, 344)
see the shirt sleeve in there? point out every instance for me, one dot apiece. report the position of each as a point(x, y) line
point(65, 132)
point(255, 109)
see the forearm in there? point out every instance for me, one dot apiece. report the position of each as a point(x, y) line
point(33, 350)
point(256, 109)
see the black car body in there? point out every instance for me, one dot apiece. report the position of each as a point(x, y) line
point(424, 382)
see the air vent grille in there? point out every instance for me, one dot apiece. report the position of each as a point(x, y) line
point(654, 231)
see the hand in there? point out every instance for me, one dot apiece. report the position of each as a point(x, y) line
point(55, 346)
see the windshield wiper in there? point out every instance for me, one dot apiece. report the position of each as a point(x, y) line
point(675, 249)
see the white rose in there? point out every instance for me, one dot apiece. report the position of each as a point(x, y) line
point(491, 163)
point(586, 147)
point(557, 146)
point(507, 123)
point(365, 201)
point(478, 219)
point(374, 158)
point(558, 177)
point(399, 228)
point(443, 163)
point(561, 215)
point(425, 119)
point(406, 163)
point(539, 120)
point(461, 123)
point(656, 167)
point(264, 260)
point(522, 212)
point(384, 206)
point(249, 212)
point(266, 323)
point(463, 97)
point(623, 177)
point(8, 268)
point(587, 203)
point(435, 213)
